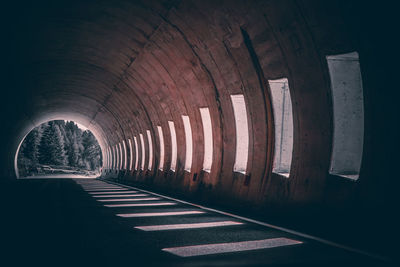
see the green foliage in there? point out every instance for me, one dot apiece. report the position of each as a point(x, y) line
point(59, 143)
point(51, 147)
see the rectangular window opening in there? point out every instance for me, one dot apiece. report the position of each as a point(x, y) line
point(108, 158)
point(189, 142)
point(105, 158)
point(208, 139)
point(150, 150)
point(283, 123)
point(173, 143)
point(348, 114)
point(120, 156)
point(111, 158)
point(242, 133)
point(143, 151)
point(136, 153)
point(161, 137)
point(125, 154)
point(117, 156)
point(130, 154)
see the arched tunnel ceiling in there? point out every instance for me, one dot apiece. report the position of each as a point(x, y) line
point(124, 67)
point(95, 50)
point(80, 51)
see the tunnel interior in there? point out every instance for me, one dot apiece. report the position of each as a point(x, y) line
point(279, 109)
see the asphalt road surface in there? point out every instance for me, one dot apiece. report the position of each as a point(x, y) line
point(88, 222)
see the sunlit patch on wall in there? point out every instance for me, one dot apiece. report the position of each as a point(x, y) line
point(189, 142)
point(242, 133)
point(114, 158)
point(120, 156)
point(136, 153)
point(143, 151)
point(150, 165)
point(208, 139)
point(161, 137)
point(173, 143)
point(125, 154)
point(130, 154)
point(283, 123)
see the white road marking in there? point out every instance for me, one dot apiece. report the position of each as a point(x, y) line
point(103, 188)
point(112, 192)
point(128, 199)
point(156, 214)
point(127, 195)
point(311, 237)
point(141, 205)
point(115, 190)
point(198, 250)
point(186, 226)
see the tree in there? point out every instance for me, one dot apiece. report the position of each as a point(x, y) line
point(28, 157)
point(29, 148)
point(51, 147)
point(92, 151)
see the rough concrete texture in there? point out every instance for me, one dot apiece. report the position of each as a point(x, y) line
point(123, 67)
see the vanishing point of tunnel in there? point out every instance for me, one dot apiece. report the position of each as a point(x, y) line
point(232, 132)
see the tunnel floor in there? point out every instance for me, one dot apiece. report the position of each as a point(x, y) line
point(87, 222)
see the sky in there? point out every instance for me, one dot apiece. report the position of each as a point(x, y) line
point(83, 128)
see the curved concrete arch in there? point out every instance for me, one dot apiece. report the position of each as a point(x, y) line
point(78, 118)
point(156, 63)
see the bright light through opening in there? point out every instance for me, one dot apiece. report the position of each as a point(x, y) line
point(143, 151)
point(208, 139)
point(189, 144)
point(130, 154)
point(136, 153)
point(173, 142)
point(109, 158)
point(161, 136)
point(120, 156)
point(283, 123)
point(61, 146)
point(150, 149)
point(114, 158)
point(125, 155)
point(242, 133)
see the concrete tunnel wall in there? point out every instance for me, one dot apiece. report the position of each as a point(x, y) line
point(124, 67)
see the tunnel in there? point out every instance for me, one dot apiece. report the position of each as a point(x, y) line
point(280, 111)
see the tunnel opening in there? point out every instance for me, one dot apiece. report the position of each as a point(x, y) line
point(59, 148)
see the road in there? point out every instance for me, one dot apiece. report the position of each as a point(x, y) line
point(89, 222)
